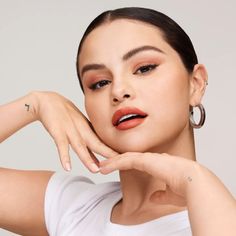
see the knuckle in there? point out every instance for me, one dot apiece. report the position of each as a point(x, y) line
point(86, 160)
point(77, 141)
point(61, 142)
point(80, 143)
point(54, 131)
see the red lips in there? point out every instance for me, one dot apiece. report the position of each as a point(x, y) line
point(130, 123)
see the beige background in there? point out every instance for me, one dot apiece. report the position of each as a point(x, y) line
point(38, 45)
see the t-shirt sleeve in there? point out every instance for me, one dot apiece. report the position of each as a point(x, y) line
point(61, 192)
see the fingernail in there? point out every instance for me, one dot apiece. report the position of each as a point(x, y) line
point(94, 167)
point(68, 166)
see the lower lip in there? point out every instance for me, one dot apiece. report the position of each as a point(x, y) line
point(130, 124)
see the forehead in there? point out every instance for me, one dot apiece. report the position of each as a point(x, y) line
point(114, 39)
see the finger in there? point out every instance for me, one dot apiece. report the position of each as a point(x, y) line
point(92, 140)
point(80, 148)
point(155, 164)
point(97, 146)
point(172, 170)
point(124, 162)
point(96, 161)
point(63, 150)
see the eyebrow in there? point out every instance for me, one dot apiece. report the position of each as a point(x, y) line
point(92, 67)
point(134, 51)
point(127, 56)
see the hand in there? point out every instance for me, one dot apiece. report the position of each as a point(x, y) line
point(176, 172)
point(69, 127)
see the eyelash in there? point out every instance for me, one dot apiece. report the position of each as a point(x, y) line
point(100, 83)
point(147, 68)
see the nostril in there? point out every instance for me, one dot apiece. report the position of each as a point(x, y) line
point(120, 99)
point(126, 96)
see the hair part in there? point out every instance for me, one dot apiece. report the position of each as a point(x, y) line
point(173, 34)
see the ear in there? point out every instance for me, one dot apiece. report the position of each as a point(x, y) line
point(198, 83)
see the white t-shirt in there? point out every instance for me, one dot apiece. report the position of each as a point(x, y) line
point(75, 206)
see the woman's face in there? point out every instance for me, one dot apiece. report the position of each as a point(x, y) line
point(136, 87)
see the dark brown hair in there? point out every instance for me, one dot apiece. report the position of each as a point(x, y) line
point(174, 35)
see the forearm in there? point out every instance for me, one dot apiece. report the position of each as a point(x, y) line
point(16, 114)
point(212, 209)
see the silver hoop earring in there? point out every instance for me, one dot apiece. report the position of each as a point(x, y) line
point(202, 117)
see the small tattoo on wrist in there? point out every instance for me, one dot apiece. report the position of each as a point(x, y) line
point(27, 106)
point(189, 179)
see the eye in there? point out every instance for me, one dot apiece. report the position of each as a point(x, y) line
point(99, 84)
point(145, 69)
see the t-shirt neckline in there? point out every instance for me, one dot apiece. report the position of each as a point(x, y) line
point(118, 197)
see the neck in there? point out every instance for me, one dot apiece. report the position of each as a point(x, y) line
point(137, 187)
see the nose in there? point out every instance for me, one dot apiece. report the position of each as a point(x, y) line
point(121, 91)
point(120, 98)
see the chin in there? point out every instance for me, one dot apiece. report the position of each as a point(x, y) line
point(125, 148)
point(141, 140)
point(141, 143)
point(138, 144)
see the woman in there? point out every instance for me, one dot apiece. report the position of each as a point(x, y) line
point(141, 79)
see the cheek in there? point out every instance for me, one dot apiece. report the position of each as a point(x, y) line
point(168, 97)
point(90, 107)
point(96, 111)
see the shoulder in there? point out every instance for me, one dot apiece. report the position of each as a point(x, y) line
point(65, 183)
point(68, 194)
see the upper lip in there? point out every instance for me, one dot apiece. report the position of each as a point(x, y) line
point(125, 111)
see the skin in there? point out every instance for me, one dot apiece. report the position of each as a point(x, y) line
point(164, 183)
point(169, 88)
point(164, 93)
point(68, 127)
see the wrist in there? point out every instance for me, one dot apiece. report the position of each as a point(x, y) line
point(32, 104)
point(196, 181)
